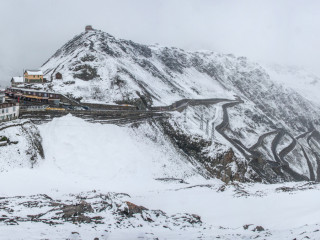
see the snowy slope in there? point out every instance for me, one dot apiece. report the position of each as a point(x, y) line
point(23, 148)
point(299, 79)
point(145, 166)
point(92, 154)
point(184, 169)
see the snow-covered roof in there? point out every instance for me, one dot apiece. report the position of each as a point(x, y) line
point(34, 72)
point(32, 90)
point(18, 79)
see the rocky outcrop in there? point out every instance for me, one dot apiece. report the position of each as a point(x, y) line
point(110, 209)
point(224, 166)
point(133, 209)
point(85, 72)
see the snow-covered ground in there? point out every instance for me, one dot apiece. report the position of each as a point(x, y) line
point(21, 136)
point(299, 79)
point(82, 157)
point(284, 211)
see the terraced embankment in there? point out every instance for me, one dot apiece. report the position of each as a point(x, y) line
point(129, 116)
point(115, 116)
point(251, 153)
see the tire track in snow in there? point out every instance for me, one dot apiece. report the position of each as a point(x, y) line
point(314, 135)
point(261, 139)
point(285, 151)
point(225, 124)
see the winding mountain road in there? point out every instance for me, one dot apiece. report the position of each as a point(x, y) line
point(312, 176)
point(225, 124)
point(285, 151)
point(261, 139)
point(251, 152)
point(184, 103)
point(121, 117)
point(315, 134)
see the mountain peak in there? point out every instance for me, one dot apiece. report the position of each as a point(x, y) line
point(98, 67)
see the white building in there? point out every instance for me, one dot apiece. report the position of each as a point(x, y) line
point(8, 111)
point(15, 81)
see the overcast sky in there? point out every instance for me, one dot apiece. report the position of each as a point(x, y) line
point(275, 31)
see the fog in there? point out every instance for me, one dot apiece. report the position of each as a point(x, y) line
point(284, 32)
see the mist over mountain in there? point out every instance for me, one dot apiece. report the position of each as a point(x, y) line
point(200, 136)
point(6, 74)
point(100, 68)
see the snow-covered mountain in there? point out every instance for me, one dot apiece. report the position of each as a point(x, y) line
point(195, 173)
point(97, 67)
point(122, 182)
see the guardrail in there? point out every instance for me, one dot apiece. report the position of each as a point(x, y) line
point(34, 108)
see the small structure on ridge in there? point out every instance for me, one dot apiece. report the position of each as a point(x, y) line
point(88, 28)
point(58, 75)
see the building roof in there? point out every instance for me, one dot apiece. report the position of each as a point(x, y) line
point(34, 72)
point(18, 79)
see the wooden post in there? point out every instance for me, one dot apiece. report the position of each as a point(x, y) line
point(207, 127)
point(212, 131)
point(201, 122)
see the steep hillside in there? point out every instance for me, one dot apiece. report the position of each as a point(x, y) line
point(99, 67)
point(122, 182)
point(257, 133)
point(20, 145)
point(301, 80)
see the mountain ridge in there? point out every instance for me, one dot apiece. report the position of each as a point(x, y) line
point(98, 67)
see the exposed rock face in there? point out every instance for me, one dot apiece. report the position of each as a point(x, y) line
point(110, 209)
point(85, 72)
point(224, 166)
point(133, 209)
point(75, 213)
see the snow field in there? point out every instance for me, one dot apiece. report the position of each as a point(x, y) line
point(82, 156)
